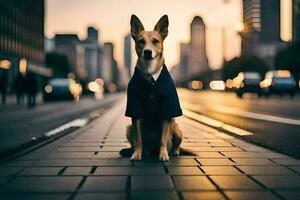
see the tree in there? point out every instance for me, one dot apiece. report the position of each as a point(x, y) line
point(246, 63)
point(289, 59)
point(58, 63)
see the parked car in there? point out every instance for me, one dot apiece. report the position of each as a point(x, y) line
point(278, 82)
point(247, 82)
point(62, 88)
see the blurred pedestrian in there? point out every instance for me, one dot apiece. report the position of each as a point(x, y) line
point(31, 89)
point(19, 87)
point(3, 85)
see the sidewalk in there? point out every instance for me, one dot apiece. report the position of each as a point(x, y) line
point(86, 165)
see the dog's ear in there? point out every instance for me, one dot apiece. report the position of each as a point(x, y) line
point(136, 26)
point(162, 26)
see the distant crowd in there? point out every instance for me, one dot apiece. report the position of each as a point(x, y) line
point(23, 86)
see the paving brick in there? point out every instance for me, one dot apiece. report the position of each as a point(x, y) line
point(295, 168)
point(242, 154)
point(287, 161)
point(253, 161)
point(227, 149)
point(77, 171)
point(156, 170)
point(219, 161)
point(193, 183)
point(207, 195)
point(250, 195)
point(151, 183)
point(82, 155)
point(148, 163)
point(184, 171)
point(290, 195)
point(42, 184)
point(209, 155)
point(220, 170)
point(4, 180)
point(104, 183)
point(79, 149)
point(181, 162)
point(280, 182)
point(107, 148)
point(157, 195)
point(266, 170)
point(102, 196)
point(220, 144)
point(274, 155)
point(84, 162)
point(9, 171)
point(25, 196)
point(20, 163)
point(235, 182)
point(31, 171)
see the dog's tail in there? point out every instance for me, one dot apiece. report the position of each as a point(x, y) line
point(127, 152)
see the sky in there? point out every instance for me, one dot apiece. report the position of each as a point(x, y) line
point(112, 18)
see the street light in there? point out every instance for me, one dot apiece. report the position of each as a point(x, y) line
point(5, 64)
point(22, 66)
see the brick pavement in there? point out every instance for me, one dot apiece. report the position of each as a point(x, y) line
point(86, 165)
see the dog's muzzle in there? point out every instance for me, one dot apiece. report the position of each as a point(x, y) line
point(147, 54)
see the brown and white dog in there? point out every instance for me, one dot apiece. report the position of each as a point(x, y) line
point(149, 49)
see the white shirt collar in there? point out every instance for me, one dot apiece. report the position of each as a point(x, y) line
point(156, 75)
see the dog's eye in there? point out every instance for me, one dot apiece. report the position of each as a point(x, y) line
point(141, 41)
point(155, 41)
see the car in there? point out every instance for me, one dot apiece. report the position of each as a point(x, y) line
point(278, 82)
point(247, 82)
point(62, 88)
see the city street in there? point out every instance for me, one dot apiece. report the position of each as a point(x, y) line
point(20, 126)
point(86, 164)
point(150, 100)
point(271, 122)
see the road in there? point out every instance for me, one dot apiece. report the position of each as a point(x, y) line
point(19, 125)
point(271, 122)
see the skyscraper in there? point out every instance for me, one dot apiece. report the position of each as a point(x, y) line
point(22, 36)
point(127, 53)
point(296, 20)
point(262, 17)
point(70, 45)
point(92, 54)
point(193, 59)
point(198, 62)
point(110, 73)
point(261, 34)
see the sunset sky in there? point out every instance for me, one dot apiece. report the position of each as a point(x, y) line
point(112, 17)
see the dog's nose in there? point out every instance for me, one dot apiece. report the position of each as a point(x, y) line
point(147, 54)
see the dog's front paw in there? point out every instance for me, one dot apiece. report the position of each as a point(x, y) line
point(163, 155)
point(137, 155)
point(175, 152)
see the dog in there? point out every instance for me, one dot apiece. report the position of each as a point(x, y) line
point(152, 100)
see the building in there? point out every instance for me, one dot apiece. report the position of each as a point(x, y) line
point(296, 20)
point(110, 70)
point(70, 45)
point(22, 37)
point(127, 54)
point(193, 59)
point(92, 54)
point(260, 37)
point(180, 71)
point(198, 62)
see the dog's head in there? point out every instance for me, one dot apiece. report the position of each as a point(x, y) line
point(149, 44)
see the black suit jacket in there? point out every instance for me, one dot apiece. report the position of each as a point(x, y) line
point(152, 101)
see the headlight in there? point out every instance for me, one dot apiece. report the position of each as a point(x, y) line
point(48, 88)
